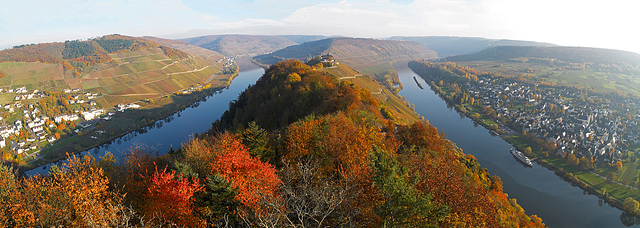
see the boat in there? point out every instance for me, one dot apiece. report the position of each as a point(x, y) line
point(521, 157)
point(419, 85)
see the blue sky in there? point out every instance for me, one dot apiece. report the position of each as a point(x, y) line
point(606, 24)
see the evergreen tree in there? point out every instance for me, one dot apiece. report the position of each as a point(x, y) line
point(219, 199)
point(403, 205)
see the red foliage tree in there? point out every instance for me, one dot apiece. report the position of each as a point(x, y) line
point(254, 179)
point(172, 197)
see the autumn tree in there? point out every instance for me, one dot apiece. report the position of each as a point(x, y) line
point(402, 204)
point(171, 197)
point(77, 195)
point(618, 166)
point(572, 160)
point(630, 205)
point(11, 212)
point(253, 179)
point(308, 200)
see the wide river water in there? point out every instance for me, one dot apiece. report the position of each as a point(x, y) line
point(180, 127)
point(538, 190)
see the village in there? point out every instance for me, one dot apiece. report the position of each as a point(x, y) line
point(575, 122)
point(26, 128)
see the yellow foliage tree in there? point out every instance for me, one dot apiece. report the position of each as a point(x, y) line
point(293, 78)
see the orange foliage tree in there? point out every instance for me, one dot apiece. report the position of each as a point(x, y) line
point(171, 197)
point(76, 195)
point(254, 179)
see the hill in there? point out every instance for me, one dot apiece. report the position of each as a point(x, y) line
point(325, 154)
point(367, 55)
point(232, 45)
point(193, 50)
point(82, 79)
point(122, 69)
point(595, 69)
point(568, 54)
point(451, 45)
point(299, 39)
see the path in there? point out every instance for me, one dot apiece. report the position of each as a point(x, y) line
point(614, 181)
point(351, 77)
point(159, 60)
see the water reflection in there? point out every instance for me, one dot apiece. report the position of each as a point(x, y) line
point(538, 190)
point(174, 130)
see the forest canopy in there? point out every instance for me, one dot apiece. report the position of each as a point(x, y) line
point(299, 148)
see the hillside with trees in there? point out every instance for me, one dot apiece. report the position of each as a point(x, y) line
point(299, 39)
point(333, 159)
point(603, 71)
point(358, 53)
point(232, 45)
point(447, 46)
point(568, 54)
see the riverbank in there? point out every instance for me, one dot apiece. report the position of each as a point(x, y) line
point(123, 123)
point(609, 191)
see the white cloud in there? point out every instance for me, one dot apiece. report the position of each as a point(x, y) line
point(351, 19)
point(568, 22)
point(34, 21)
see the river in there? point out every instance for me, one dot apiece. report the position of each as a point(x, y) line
point(538, 190)
point(178, 128)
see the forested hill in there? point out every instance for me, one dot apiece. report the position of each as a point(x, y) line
point(231, 45)
point(451, 45)
point(299, 39)
point(358, 53)
point(331, 159)
point(90, 51)
point(193, 50)
point(322, 133)
point(568, 54)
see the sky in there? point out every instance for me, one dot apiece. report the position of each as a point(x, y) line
point(603, 24)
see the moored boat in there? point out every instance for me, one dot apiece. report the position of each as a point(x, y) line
point(521, 157)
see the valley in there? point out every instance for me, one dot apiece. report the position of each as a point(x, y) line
point(569, 109)
point(62, 109)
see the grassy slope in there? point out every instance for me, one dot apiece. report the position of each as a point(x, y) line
point(402, 112)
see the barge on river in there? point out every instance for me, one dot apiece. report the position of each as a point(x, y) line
point(419, 85)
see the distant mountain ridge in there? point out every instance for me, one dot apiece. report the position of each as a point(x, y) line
point(358, 53)
point(569, 54)
point(451, 45)
point(299, 39)
point(231, 45)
